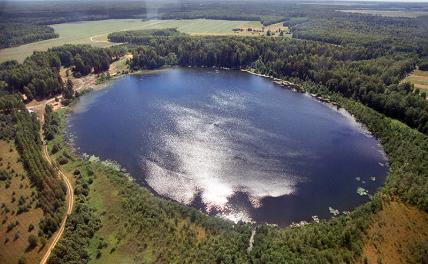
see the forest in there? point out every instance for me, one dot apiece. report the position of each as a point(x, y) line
point(39, 75)
point(22, 127)
point(14, 34)
point(354, 60)
point(364, 74)
point(339, 240)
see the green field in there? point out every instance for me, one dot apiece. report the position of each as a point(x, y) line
point(95, 32)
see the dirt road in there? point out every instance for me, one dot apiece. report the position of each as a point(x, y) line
point(70, 203)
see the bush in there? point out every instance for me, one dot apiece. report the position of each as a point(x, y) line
point(55, 149)
point(32, 242)
point(62, 160)
point(21, 260)
point(423, 66)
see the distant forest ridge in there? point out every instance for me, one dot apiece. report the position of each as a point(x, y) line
point(51, 12)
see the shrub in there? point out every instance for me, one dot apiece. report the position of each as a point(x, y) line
point(54, 149)
point(32, 242)
point(62, 160)
point(21, 260)
point(423, 66)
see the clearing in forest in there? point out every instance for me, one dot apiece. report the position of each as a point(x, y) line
point(252, 29)
point(419, 79)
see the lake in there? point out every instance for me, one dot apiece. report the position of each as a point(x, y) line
point(230, 144)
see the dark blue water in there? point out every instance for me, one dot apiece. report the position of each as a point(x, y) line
point(230, 143)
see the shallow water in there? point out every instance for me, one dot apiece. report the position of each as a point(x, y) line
point(231, 144)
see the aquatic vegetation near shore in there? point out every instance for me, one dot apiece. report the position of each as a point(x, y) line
point(315, 218)
point(333, 211)
point(361, 191)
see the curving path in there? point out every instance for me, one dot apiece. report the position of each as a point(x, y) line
point(251, 241)
point(70, 203)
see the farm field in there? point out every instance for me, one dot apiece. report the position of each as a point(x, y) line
point(419, 79)
point(95, 32)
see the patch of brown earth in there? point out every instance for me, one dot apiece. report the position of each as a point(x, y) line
point(395, 234)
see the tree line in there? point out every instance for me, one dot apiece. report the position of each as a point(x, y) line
point(15, 34)
point(22, 127)
point(39, 75)
point(360, 73)
point(341, 239)
point(168, 231)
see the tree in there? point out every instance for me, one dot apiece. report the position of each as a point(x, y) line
point(68, 90)
point(80, 65)
point(21, 260)
point(32, 241)
point(423, 66)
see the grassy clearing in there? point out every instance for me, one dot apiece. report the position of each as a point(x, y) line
point(395, 234)
point(419, 79)
point(95, 32)
point(14, 243)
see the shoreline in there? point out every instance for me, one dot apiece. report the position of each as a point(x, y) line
point(292, 86)
point(144, 184)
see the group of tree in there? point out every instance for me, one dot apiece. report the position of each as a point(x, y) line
point(142, 36)
point(23, 128)
point(51, 125)
point(354, 60)
point(341, 239)
point(39, 75)
point(14, 34)
point(364, 74)
point(312, 20)
point(423, 65)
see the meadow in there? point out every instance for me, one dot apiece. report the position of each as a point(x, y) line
point(95, 32)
